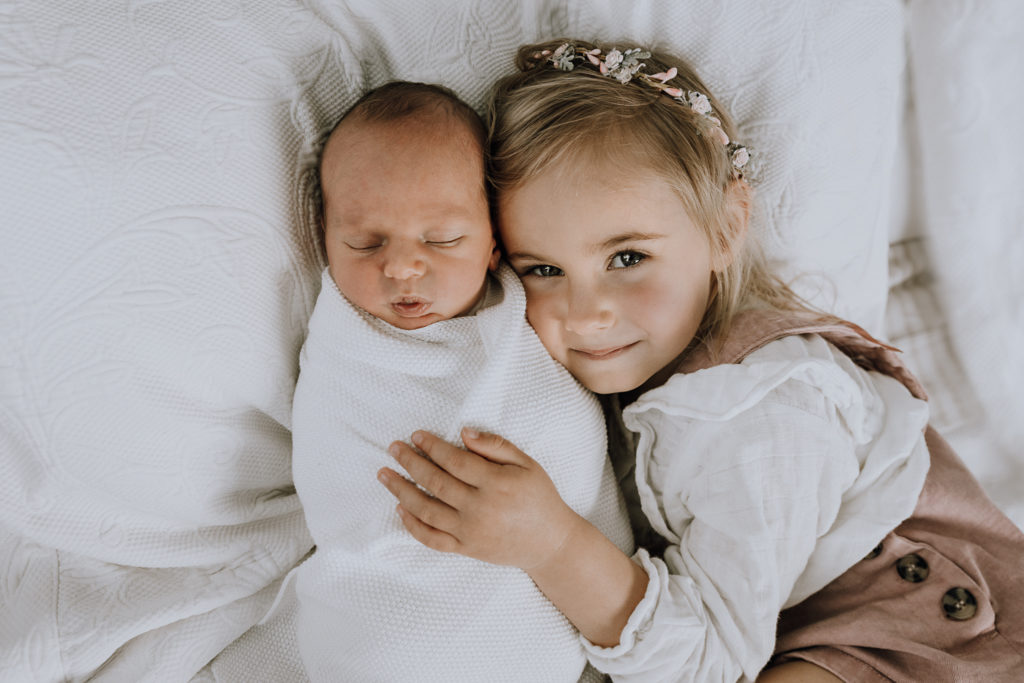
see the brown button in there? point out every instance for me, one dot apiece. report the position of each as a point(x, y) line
point(959, 604)
point(876, 551)
point(912, 568)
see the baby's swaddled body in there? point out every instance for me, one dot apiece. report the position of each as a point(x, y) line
point(375, 604)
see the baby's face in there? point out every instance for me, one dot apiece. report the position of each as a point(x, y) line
point(406, 220)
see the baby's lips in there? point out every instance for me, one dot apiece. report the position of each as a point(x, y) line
point(410, 307)
point(411, 299)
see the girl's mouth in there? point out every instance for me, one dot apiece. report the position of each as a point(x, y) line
point(606, 353)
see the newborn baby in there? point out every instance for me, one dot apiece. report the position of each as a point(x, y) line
point(417, 326)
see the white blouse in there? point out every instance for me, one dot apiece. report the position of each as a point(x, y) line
point(769, 479)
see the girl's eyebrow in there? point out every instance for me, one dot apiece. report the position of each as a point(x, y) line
point(522, 255)
point(616, 240)
point(607, 244)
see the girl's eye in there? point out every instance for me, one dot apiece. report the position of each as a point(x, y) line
point(368, 247)
point(626, 259)
point(543, 271)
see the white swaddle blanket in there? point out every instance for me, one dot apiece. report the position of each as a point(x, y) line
point(375, 604)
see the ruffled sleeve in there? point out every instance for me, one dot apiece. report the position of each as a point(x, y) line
point(769, 479)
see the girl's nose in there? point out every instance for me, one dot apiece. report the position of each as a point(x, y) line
point(588, 312)
point(404, 262)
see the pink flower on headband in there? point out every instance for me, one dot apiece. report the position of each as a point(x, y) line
point(613, 59)
point(665, 76)
point(717, 131)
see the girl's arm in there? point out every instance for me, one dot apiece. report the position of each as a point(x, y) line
point(498, 505)
point(765, 493)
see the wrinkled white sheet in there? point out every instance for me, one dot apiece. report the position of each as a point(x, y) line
point(957, 307)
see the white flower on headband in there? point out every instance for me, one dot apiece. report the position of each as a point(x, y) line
point(739, 157)
point(622, 66)
point(699, 102)
point(564, 57)
point(634, 55)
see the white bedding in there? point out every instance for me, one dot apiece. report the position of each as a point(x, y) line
point(159, 260)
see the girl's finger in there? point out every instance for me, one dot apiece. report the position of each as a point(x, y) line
point(461, 464)
point(435, 480)
point(429, 510)
point(494, 447)
point(426, 534)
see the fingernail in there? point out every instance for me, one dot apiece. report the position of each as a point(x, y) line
point(394, 450)
point(383, 476)
point(472, 433)
point(417, 438)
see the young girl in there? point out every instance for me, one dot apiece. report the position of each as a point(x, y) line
point(776, 460)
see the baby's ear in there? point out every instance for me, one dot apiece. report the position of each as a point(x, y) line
point(495, 256)
point(739, 199)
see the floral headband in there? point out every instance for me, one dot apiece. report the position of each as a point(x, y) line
point(625, 66)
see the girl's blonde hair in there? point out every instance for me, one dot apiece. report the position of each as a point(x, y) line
point(542, 117)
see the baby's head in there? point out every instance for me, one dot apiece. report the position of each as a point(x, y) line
point(405, 213)
point(622, 204)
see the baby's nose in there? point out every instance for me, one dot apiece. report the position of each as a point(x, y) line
point(403, 263)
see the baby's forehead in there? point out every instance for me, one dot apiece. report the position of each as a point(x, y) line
point(403, 153)
point(437, 131)
point(386, 174)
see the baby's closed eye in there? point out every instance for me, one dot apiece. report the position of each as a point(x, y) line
point(445, 242)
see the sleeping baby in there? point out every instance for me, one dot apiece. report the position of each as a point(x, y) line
point(418, 326)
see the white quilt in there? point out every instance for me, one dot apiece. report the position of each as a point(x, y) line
point(375, 604)
point(159, 261)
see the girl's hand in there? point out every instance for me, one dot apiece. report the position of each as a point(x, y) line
point(494, 504)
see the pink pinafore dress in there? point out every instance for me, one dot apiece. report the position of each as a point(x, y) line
point(941, 597)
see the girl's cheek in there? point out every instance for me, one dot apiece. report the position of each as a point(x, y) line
point(541, 313)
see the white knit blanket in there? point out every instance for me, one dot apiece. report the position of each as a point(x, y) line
point(375, 604)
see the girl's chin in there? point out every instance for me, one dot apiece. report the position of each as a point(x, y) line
point(609, 384)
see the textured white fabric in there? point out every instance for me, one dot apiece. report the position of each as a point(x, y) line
point(269, 650)
point(770, 478)
point(375, 604)
point(966, 57)
point(159, 264)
